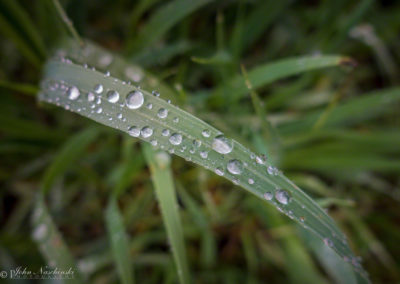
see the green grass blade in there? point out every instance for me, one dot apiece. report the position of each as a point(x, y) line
point(165, 18)
point(72, 150)
point(165, 191)
point(119, 242)
point(188, 137)
point(51, 243)
point(262, 75)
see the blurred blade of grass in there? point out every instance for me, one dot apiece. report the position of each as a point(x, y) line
point(15, 23)
point(162, 20)
point(119, 242)
point(234, 89)
point(348, 113)
point(139, 9)
point(51, 243)
point(27, 89)
point(185, 131)
point(336, 268)
point(159, 163)
point(70, 152)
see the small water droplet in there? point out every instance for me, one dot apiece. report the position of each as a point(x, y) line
point(146, 132)
point(149, 105)
point(176, 119)
point(175, 139)
point(222, 145)
point(73, 93)
point(204, 154)
point(134, 131)
point(270, 170)
point(134, 100)
point(155, 93)
point(302, 219)
point(235, 167)
point(154, 142)
point(250, 181)
point(112, 96)
point(205, 133)
point(40, 232)
point(162, 113)
point(268, 195)
point(98, 89)
point(197, 143)
point(90, 97)
point(107, 73)
point(261, 159)
point(282, 196)
point(328, 242)
point(219, 171)
point(165, 132)
point(119, 116)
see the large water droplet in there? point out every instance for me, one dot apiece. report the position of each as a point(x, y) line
point(222, 145)
point(98, 89)
point(134, 131)
point(146, 132)
point(235, 167)
point(73, 93)
point(282, 196)
point(134, 100)
point(112, 96)
point(175, 139)
point(162, 113)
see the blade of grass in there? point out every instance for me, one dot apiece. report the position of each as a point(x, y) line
point(165, 191)
point(186, 139)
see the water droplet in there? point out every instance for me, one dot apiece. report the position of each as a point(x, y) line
point(134, 131)
point(175, 139)
point(146, 132)
point(107, 73)
point(149, 105)
point(99, 110)
point(222, 145)
point(165, 132)
point(206, 133)
point(204, 154)
point(270, 170)
point(155, 93)
point(302, 219)
point(268, 195)
point(219, 171)
point(261, 159)
point(119, 116)
point(176, 119)
point(250, 181)
point(98, 89)
point(112, 96)
point(162, 113)
point(154, 142)
point(73, 93)
point(197, 143)
point(169, 101)
point(134, 100)
point(282, 196)
point(235, 167)
point(90, 97)
point(252, 156)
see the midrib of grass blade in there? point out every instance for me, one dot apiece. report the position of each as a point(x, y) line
point(119, 242)
point(60, 76)
point(236, 87)
point(159, 163)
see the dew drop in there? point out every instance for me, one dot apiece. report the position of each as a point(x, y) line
point(146, 132)
point(268, 195)
point(112, 96)
point(165, 132)
point(162, 113)
point(282, 196)
point(40, 232)
point(119, 116)
point(328, 242)
point(250, 181)
point(134, 100)
point(204, 154)
point(197, 143)
point(90, 97)
point(98, 89)
point(270, 170)
point(206, 133)
point(154, 142)
point(73, 93)
point(219, 171)
point(176, 119)
point(134, 131)
point(222, 145)
point(261, 159)
point(235, 167)
point(149, 105)
point(155, 93)
point(99, 110)
point(302, 219)
point(175, 139)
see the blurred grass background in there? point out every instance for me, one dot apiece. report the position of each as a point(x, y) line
point(338, 128)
